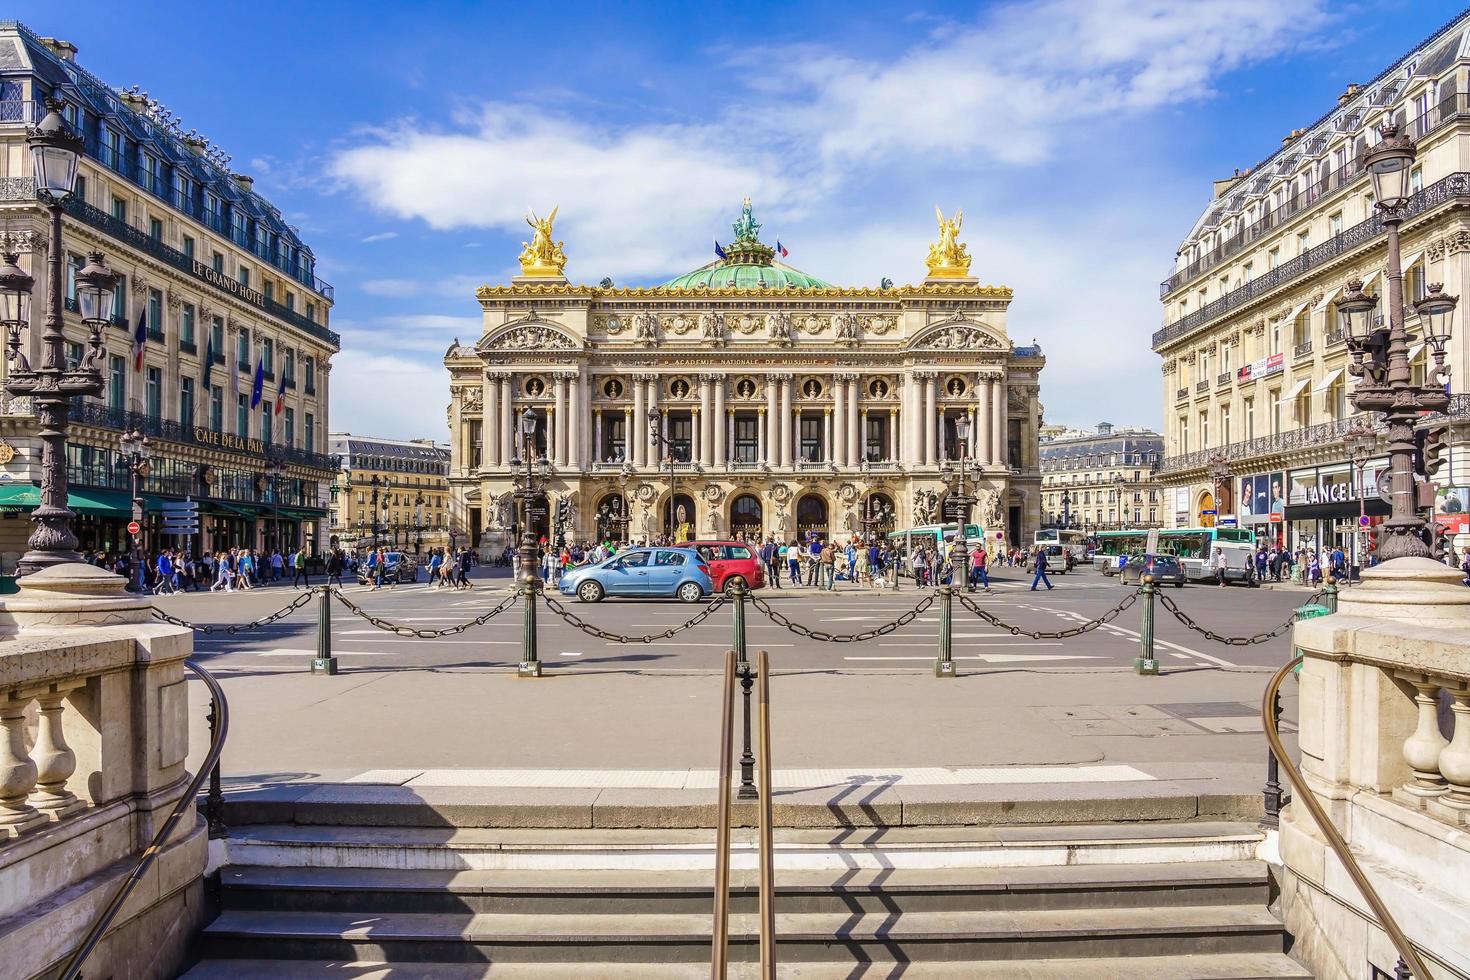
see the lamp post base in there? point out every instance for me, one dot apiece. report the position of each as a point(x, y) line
point(325, 666)
point(529, 668)
point(1145, 666)
point(944, 668)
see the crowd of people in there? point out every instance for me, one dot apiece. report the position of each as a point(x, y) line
point(870, 562)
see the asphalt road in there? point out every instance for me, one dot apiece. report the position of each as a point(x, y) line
point(289, 644)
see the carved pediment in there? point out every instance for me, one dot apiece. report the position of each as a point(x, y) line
point(529, 336)
point(959, 336)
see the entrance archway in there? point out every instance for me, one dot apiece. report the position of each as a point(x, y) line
point(746, 517)
point(811, 516)
point(684, 514)
point(1205, 509)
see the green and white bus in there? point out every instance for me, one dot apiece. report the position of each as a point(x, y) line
point(1060, 543)
point(931, 536)
point(1191, 545)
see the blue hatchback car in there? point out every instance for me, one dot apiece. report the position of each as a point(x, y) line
point(678, 573)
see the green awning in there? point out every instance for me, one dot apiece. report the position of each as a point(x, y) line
point(20, 496)
point(27, 496)
point(108, 503)
point(235, 509)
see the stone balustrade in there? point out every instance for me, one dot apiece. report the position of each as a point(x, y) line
point(93, 740)
point(1385, 746)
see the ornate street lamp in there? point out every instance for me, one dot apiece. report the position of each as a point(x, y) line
point(529, 493)
point(274, 470)
point(55, 150)
point(134, 455)
point(666, 448)
point(1219, 471)
point(1380, 354)
point(1362, 443)
point(960, 554)
point(1066, 507)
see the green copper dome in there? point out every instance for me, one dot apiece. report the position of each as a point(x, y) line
point(749, 263)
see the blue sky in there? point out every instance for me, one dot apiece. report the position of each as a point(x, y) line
point(1079, 136)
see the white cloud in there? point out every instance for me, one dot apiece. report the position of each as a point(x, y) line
point(381, 236)
point(391, 287)
point(387, 395)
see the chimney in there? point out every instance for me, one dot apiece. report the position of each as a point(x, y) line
point(196, 145)
point(134, 100)
point(245, 182)
point(64, 50)
point(1350, 93)
point(1105, 428)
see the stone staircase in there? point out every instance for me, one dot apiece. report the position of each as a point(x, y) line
point(1177, 900)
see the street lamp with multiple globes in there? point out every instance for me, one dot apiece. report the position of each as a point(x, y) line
point(55, 150)
point(1380, 354)
point(530, 492)
point(666, 449)
point(134, 455)
point(962, 468)
point(1362, 443)
point(1219, 477)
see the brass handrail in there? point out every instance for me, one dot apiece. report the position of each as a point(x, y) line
point(211, 759)
point(763, 808)
point(720, 932)
point(1407, 954)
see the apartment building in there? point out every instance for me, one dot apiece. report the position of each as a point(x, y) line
point(392, 492)
point(224, 288)
point(1257, 391)
point(1103, 478)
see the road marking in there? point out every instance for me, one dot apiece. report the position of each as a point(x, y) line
point(676, 643)
point(996, 658)
point(571, 653)
point(312, 653)
point(1171, 646)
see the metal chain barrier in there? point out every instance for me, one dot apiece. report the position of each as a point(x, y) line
point(388, 626)
point(281, 613)
point(1234, 641)
point(822, 635)
point(574, 620)
point(1077, 630)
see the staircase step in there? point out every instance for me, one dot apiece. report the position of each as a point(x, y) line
point(457, 849)
point(562, 892)
point(1217, 966)
point(804, 936)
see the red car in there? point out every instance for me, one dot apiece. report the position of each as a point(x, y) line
point(731, 562)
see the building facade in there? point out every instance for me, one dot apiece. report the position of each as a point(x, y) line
point(223, 288)
point(1257, 391)
point(785, 405)
point(393, 493)
point(1103, 479)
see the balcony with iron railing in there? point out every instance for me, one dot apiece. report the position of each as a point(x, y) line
point(1224, 378)
point(170, 430)
point(1323, 434)
point(1453, 188)
point(1201, 386)
point(1181, 394)
point(1304, 349)
point(1334, 338)
point(1450, 109)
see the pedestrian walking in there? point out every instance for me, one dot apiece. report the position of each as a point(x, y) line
point(1040, 566)
point(298, 569)
point(980, 570)
point(1218, 566)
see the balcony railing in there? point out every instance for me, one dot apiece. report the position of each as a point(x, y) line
point(1335, 338)
point(1224, 378)
point(1302, 349)
point(1202, 386)
point(1322, 434)
point(1181, 394)
point(1453, 107)
point(102, 221)
point(1455, 186)
point(107, 417)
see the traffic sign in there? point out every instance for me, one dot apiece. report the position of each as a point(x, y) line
point(1276, 517)
point(1228, 521)
point(1204, 513)
point(134, 527)
point(1364, 521)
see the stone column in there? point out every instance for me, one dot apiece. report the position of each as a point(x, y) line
point(651, 453)
point(706, 417)
point(943, 430)
point(723, 423)
point(862, 436)
point(857, 424)
point(931, 427)
point(637, 434)
point(574, 410)
point(827, 435)
point(837, 429)
point(760, 436)
point(782, 422)
point(508, 422)
point(893, 435)
point(556, 449)
point(998, 420)
point(698, 444)
point(984, 431)
point(489, 420)
point(629, 447)
point(597, 455)
point(766, 438)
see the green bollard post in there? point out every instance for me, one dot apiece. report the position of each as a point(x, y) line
point(738, 594)
point(1329, 594)
point(1147, 662)
point(530, 665)
point(944, 666)
point(324, 663)
point(748, 789)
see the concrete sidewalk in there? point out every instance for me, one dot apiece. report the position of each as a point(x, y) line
point(1095, 745)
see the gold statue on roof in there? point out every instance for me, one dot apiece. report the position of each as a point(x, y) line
point(542, 256)
point(947, 257)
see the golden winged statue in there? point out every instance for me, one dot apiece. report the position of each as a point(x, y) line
point(542, 256)
point(947, 257)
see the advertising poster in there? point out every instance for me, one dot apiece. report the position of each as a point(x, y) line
point(1262, 494)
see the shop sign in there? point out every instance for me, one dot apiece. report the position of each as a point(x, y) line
point(1453, 523)
point(1277, 518)
point(1260, 369)
point(227, 440)
point(1331, 493)
point(233, 286)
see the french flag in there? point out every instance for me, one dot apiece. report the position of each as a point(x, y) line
point(140, 339)
point(281, 397)
point(781, 248)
